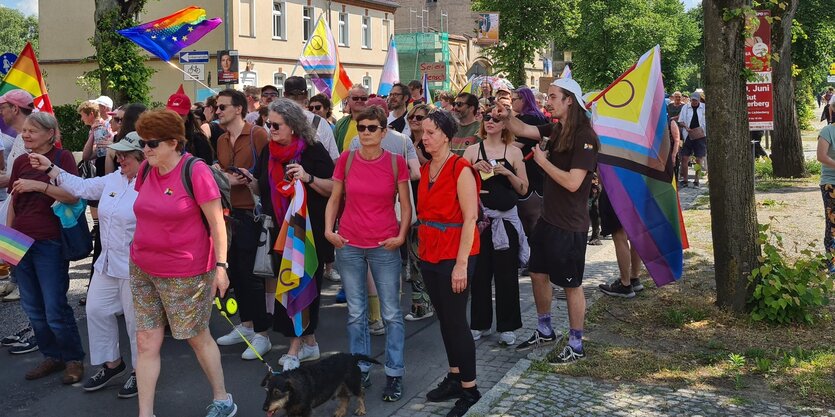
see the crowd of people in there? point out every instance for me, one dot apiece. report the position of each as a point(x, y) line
point(457, 198)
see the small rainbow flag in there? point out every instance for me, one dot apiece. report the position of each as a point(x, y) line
point(320, 58)
point(13, 244)
point(25, 75)
point(166, 36)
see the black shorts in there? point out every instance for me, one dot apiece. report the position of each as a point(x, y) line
point(697, 148)
point(609, 222)
point(559, 253)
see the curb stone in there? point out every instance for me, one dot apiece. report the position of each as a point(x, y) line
point(483, 406)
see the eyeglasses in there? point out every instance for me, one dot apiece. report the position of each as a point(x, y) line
point(370, 128)
point(316, 107)
point(360, 98)
point(153, 144)
point(269, 94)
point(416, 117)
point(396, 94)
point(459, 104)
point(117, 119)
point(272, 125)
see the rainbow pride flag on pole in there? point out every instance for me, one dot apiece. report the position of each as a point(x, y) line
point(636, 166)
point(320, 58)
point(166, 36)
point(391, 70)
point(296, 288)
point(13, 244)
point(25, 75)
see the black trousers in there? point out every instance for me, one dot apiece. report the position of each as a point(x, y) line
point(501, 267)
point(249, 288)
point(452, 314)
point(283, 324)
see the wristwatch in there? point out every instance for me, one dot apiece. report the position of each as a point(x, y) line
point(48, 170)
point(224, 265)
point(311, 179)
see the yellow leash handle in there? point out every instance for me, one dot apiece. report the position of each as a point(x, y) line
point(227, 307)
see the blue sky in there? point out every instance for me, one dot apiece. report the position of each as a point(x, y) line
point(689, 4)
point(28, 7)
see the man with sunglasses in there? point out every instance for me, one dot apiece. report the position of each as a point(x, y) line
point(397, 100)
point(268, 94)
point(346, 127)
point(466, 106)
point(295, 88)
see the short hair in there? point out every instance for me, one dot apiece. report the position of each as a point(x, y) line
point(238, 99)
point(375, 113)
point(418, 107)
point(252, 91)
point(163, 124)
point(138, 155)
point(677, 93)
point(445, 96)
point(358, 87)
point(88, 107)
point(46, 121)
point(445, 121)
point(469, 99)
point(403, 88)
point(294, 116)
point(415, 84)
point(212, 102)
point(325, 101)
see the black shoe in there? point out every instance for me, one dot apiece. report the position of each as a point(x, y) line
point(468, 398)
point(16, 339)
point(394, 388)
point(595, 242)
point(568, 356)
point(537, 339)
point(682, 184)
point(365, 378)
point(636, 284)
point(695, 184)
point(448, 389)
point(103, 376)
point(129, 390)
point(617, 289)
point(25, 346)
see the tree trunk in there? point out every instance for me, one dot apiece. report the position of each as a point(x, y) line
point(787, 146)
point(125, 9)
point(732, 206)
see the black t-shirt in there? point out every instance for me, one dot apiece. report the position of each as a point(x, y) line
point(562, 208)
point(399, 123)
point(694, 122)
point(535, 177)
point(315, 161)
point(673, 110)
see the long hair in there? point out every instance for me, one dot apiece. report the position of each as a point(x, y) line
point(530, 105)
point(507, 135)
point(294, 116)
point(575, 121)
point(132, 112)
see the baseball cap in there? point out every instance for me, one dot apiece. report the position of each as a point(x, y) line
point(695, 96)
point(18, 98)
point(572, 87)
point(295, 86)
point(104, 101)
point(269, 87)
point(129, 143)
point(379, 102)
point(179, 102)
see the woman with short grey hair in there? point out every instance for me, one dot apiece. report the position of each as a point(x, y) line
point(293, 115)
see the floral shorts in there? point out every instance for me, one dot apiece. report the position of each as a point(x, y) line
point(185, 304)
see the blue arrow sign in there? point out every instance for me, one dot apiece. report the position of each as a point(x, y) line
point(194, 57)
point(6, 62)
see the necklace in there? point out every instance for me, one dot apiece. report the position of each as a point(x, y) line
point(432, 178)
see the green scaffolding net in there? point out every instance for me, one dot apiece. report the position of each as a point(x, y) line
point(414, 49)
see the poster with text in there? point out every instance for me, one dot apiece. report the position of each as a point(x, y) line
point(488, 29)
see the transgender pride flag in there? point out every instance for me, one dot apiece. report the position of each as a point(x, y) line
point(391, 71)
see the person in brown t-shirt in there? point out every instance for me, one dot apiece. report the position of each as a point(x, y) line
point(558, 241)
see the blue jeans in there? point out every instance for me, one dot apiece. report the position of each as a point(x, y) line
point(43, 278)
point(385, 267)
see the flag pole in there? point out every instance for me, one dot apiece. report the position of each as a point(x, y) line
point(191, 76)
point(295, 67)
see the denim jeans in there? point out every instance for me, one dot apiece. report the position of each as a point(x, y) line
point(385, 267)
point(43, 278)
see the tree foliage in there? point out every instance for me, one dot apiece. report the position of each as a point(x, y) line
point(813, 50)
point(17, 30)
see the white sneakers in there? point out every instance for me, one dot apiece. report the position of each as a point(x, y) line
point(14, 295)
point(261, 344)
point(507, 338)
point(233, 338)
point(306, 353)
point(478, 334)
point(377, 328)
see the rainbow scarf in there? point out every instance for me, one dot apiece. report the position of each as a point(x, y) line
point(13, 244)
point(166, 36)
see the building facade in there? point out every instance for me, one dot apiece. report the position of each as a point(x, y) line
point(269, 36)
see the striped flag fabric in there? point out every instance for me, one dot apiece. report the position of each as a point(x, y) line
point(296, 288)
point(427, 96)
point(636, 166)
point(25, 75)
point(320, 58)
point(166, 36)
point(13, 244)
point(566, 72)
point(391, 70)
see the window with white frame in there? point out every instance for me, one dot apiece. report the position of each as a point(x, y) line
point(311, 89)
point(386, 34)
point(366, 32)
point(366, 82)
point(278, 82)
point(307, 22)
point(279, 20)
point(247, 18)
point(343, 29)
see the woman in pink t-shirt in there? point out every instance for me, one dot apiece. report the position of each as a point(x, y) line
point(369, 180)
point(176, 264)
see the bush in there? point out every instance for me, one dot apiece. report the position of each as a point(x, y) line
point(763, 168)
point(74, 133)
point(813, 167)
point(788, 293)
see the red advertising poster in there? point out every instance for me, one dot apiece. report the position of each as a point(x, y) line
point(761, 103)
point(758, 59)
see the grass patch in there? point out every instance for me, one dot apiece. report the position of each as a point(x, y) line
point(702, 201)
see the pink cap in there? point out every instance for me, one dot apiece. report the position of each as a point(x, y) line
point(179, 102)
point(379, 102)
point(18, 98)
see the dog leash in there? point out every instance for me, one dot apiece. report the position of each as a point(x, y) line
point(229, 306)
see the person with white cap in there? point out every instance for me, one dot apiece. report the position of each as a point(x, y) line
point(110, 293)
point(694, 130)
point(568, 157)
point(105, 104)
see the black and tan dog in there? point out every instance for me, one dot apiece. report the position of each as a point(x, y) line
point(301, 390)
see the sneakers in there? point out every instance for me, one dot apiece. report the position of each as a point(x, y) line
point(468, 398)
point(507, 338)
point(340, 296)
point(73, 372)
point(308, 353)
point(290, 362)
point(129, 390)
point(636, 284)
point(14, 295)
point(226, 408)
point(6, 288)
point(448, 389)
point(394, 388)
point(103, 376)
point(332, 275)
point(47, 367)
point(261, 344)
point(377, 328)
point(419, 312)
point(537, 339)
point(365, 378)
point(26, 345)
point(617, 289)
point(595, 242)
point(478, 334)
point(233, 338)
point(682, 184)
point(16, 339)
point(567, 356)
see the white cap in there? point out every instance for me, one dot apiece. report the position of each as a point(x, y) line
point(572, 86)
point(104, 101)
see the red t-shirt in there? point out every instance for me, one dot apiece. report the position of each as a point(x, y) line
point(33, 211)
point(368, 217)
point(440, 204)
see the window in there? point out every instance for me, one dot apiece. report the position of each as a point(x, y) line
point(311, 89)
point(386, 34)
point(278, 82)
point(366, 32)
point(279, 21)
point(307, 22)
point(366, 82)
point(343, 29)
point(247, 18)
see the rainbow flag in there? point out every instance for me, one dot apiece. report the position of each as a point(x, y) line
point(296, 288)
point(166, 36)
point(320, 58)
point(13, 244)
point(636, 166)
point(25, 75)
point(391, 70)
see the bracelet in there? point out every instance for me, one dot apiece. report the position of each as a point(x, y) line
point(48, 170)
point(46, 188)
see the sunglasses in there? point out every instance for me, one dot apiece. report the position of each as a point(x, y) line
point(370, 128)
point(117, 119)
point(459, 104)
point(416, 117)
point(153, 144)
point(272, 125)
point(360, 98)
point(488, 118)
point(269, 94)
point(223, 107)
point(315, 107)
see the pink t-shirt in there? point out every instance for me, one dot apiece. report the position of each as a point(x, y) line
point(171, 239)
point(369, 217)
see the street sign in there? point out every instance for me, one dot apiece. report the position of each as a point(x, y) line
point(194, 57)
point(195, 70)
point(830, 79)
point(6, 62)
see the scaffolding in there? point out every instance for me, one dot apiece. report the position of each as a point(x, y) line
point(416, 48)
